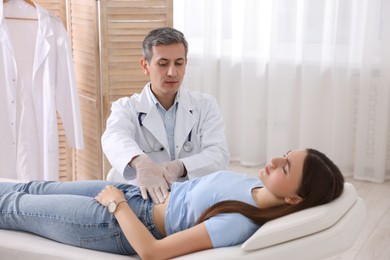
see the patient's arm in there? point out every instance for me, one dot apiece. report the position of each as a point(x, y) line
point(146, 246)
point(184, 242)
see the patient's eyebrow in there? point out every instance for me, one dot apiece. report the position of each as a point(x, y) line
point(288, 164)
point(288, 161)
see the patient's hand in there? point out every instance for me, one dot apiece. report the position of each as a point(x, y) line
point(108, 194)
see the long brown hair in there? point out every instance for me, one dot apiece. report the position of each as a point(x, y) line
point(322, 181)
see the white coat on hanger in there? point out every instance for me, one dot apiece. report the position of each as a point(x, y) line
point(53, 88)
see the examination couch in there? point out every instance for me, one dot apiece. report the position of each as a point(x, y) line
point(314, 233)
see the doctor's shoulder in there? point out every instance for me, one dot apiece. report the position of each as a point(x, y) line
point(123, 101)
point(202, 99)
point(124, 104)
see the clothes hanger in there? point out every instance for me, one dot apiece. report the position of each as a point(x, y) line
point(22, 18)
point(27, 1)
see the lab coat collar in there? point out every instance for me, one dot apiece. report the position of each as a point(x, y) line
point(156, 102)
point(45, 28)
point(185, 120)
point(147, 98)
point(146, 104)
point(185, 99)
point(44, 32)
point(152, 121)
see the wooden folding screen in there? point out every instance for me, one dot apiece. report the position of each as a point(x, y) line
point(84, 31)
point(106, 41)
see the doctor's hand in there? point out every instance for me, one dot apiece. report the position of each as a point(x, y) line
point(150, 178)
point(175, 170)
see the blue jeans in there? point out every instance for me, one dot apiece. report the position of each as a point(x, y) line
point(67, 212)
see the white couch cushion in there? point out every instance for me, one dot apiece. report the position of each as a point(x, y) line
point(290, 227)
point(302, 223)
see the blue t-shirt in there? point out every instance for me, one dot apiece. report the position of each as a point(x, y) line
point(189, 199)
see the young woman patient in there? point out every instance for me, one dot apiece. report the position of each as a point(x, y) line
point(221, 209)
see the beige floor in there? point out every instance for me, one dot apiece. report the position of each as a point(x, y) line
point(373, 243)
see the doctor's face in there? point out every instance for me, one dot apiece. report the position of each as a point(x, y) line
point(166, 69)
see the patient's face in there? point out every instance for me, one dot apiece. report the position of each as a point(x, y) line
point(283, 175)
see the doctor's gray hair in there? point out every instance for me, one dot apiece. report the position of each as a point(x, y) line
point(162, 36)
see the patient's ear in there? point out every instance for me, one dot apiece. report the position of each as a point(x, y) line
point(293, 199)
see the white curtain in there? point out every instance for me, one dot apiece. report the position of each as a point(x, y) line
point(296, 73)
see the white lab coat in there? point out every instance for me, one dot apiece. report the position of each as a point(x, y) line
point(124, 138)
point(53, 89)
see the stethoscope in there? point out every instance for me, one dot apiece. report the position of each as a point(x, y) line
point(188, 146)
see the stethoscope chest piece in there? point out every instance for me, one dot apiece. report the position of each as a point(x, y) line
point(188, 146)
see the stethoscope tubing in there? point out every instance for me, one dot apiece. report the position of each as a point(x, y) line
point(188, 146)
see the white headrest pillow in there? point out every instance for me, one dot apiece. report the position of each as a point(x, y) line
point(302, 223)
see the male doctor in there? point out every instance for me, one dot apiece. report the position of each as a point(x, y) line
point(165, 133)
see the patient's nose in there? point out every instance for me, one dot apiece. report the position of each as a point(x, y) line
point(277, 162)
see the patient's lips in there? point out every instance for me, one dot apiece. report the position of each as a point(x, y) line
point(264, 172)
point(266, 169)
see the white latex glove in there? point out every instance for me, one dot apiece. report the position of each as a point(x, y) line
point(175, 170)
point(150, 178)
